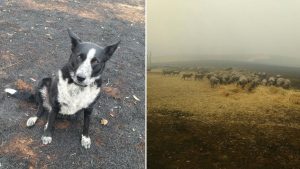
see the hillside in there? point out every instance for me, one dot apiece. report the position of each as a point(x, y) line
point(192, 125)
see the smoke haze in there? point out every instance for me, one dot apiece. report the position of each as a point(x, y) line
point(257, 31)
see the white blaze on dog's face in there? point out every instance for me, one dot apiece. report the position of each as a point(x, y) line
point(87, 60)
point(84, 71)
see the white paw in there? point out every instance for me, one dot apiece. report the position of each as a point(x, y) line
point(31, 121)
point(85, 142)
point(46, 139)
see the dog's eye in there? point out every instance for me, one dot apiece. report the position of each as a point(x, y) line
point(94, 61)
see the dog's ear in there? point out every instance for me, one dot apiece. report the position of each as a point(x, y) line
point(109, 51)
point(75, 40)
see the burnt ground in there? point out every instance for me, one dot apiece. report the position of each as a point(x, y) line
point(34, 44)
point(176, 140)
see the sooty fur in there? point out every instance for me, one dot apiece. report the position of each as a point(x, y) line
point(75, 89)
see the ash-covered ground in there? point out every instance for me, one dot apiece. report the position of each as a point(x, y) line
point(34, 43)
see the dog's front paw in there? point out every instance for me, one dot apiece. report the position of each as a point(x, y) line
point(31, 121)
point(46, 139)
point(85, 142)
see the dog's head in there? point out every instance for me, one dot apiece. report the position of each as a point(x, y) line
point(87, 60)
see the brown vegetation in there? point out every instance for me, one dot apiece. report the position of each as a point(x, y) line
point(192, 125)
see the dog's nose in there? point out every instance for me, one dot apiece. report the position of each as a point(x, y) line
point(80, 78)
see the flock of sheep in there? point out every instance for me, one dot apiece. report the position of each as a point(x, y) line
point(246, 80)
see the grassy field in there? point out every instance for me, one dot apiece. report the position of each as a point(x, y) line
point(191, 125)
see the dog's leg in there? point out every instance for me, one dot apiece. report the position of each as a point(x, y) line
point(85, 139)
point(32, 120)
point(42, 87)
point(48, 130)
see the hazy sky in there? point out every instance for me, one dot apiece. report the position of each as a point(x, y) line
point(266, 31)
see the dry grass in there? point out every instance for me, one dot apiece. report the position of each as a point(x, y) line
point(62, 7)
point(126, 12)
point(130, 13)
point(224, 103)
point(229, 127)
point(22, 85)
point(22, 146)
point(295, 98)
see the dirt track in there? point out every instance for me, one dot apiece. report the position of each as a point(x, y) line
point(34, 43)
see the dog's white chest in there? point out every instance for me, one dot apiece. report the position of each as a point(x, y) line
point(73, 97)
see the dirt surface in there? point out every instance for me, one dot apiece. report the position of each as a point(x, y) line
point(34, 44)
point(191, 125)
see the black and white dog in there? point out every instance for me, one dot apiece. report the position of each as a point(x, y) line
point(75, 89)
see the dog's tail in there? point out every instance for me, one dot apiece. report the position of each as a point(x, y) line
point(22, 95)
